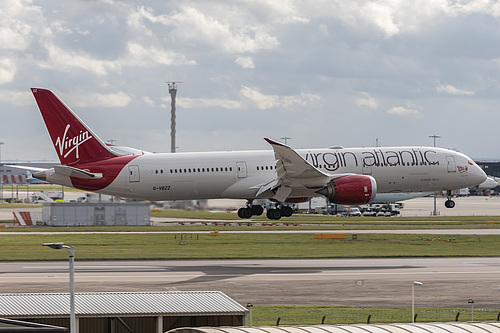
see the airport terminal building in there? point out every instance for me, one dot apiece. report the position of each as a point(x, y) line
point(491, 168)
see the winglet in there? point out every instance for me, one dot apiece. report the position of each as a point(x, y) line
point(290, 164)
point(292, 170)
point(272, 142)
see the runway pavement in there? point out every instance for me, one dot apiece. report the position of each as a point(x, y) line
point(465, 206)
point(447, 282)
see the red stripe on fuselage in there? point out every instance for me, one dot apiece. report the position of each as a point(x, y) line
point(110, 169)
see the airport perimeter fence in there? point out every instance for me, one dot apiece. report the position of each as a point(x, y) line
point(376, 315)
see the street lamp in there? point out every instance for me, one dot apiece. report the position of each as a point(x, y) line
point(415, 283)
point(286, 139)
point(434, 213)
point(1, 143)
point(1, 177)
point(250, 306)
point(471, 302)
point(71, 251)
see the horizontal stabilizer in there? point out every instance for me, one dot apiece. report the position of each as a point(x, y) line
point(75, 172)
point(26, 168)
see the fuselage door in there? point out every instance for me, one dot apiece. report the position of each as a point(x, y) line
point(450, 161)
point(133, 173)
point(241, 168)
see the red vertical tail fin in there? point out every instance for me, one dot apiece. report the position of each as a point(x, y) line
point(73, 141)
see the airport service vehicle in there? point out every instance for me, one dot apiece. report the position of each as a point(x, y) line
point(351, 176)
point(351, 211)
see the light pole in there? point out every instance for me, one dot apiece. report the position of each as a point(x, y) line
point(471, 302)
point(250, 306)
point(286, 139)
point(434, 213)
point(1, 143)
point(71, 251)
point(1, 176)
point(415, 283)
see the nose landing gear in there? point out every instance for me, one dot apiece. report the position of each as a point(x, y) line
point(449, 203)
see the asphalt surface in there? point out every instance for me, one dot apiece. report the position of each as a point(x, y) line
point(447, 282)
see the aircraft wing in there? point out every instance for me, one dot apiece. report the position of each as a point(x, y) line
point(291, 164)
point(292, 171)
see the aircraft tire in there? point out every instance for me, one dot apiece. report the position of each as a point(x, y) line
point(273, 214)
point(257, 210)
point(449, 204)
point(286, 211)
point(245, 213)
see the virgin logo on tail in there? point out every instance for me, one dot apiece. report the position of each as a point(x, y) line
point(67, 145)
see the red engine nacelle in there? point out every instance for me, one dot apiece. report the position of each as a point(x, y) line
point(350, 190)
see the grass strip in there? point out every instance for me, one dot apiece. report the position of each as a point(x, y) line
point(253, 227)
point(231, 215)
point(267, 315)
point(243, 246)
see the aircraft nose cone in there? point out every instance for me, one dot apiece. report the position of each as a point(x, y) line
point(477, 175)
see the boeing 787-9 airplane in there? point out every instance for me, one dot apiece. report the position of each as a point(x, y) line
point(282, 175)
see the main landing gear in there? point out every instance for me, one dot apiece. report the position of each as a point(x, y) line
point(250, 210)
point(279, 211)
point(272, 213)
point(449, 203)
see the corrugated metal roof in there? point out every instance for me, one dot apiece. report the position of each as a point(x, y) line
point(136, 303)
point(375, 328)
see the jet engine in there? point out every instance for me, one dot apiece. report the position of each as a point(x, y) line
point(350, 190)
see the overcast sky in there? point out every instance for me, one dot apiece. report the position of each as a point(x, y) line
point(322, 72)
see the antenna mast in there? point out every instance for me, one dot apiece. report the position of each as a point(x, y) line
point(172, 89)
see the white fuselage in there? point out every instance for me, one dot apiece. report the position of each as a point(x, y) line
point(239, 175)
